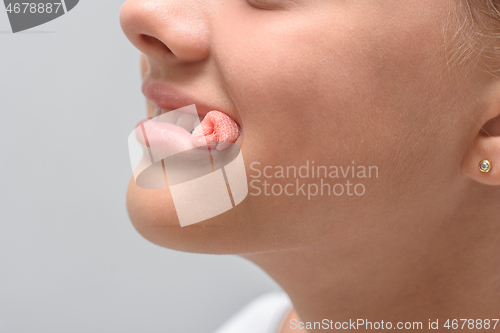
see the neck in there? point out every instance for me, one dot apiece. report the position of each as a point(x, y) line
point(447, 271)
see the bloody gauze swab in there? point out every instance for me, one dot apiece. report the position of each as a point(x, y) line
point(216, 127)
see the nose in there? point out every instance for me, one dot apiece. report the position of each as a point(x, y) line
point(167, 30)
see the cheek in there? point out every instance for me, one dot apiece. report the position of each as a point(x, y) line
point(358, 91)
point(302, 94)
point(355, 87)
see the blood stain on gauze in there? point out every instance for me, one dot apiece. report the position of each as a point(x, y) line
point(216, 127)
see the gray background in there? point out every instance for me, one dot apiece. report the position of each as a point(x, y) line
point(70, 260)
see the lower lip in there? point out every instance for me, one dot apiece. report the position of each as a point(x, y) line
point(164, 131)
point(164, 139)
point(163, 136)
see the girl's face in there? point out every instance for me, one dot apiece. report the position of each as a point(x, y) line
point(345, 83)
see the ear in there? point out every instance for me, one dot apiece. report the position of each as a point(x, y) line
point(486, 143)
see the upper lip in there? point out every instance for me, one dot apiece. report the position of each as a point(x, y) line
point(166, 96)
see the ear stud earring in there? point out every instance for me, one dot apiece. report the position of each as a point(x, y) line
point(485, 166)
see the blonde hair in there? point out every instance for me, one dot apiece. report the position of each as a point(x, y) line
point(479, 29)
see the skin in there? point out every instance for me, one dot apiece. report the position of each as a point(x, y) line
point(377, 83)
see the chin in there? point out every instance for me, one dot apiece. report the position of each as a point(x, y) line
point(153, 215)
point(258, 224)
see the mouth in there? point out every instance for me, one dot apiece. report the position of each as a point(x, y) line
point(168, 97)
point(182, 122)
point(170, 132)
point(183, 118)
